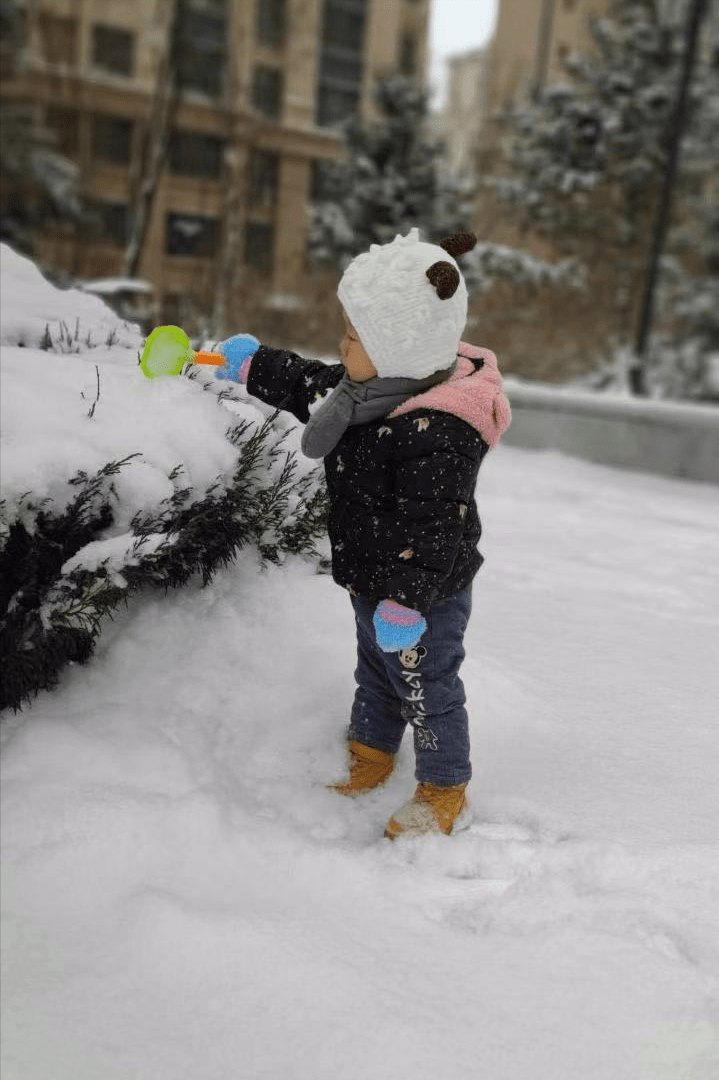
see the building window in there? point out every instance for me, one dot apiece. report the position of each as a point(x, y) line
point(336, 104)
point(191, 234)
point(260, 247)
point(173, 309)
point(113, 50)
point(191, 154)
point(13, 25)
point(112, 139)
point(267, 91)
point(408, 53)
point(58, 38)
point(342, 70)
point(64, 127)
point(202, 48)
point(264, 173)
point(344, 24)
point(108, 222)
point(321, 187)
point(194, 73)
point(271, 22)
point(216, 8)
point(202, 31)
point(341, 60)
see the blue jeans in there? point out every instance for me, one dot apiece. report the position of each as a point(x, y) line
point(420, 687)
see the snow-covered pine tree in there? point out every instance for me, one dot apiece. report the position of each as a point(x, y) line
point(388, 181)
point(684, 352)
point(587, 157)
point(392, 178)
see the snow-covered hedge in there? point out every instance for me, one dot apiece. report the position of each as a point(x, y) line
point(112, 482)
point(35, 314)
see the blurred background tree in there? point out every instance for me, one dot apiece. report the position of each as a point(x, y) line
point(586, 164)
point(389, 180)
point(38, 183)
point(392, 178)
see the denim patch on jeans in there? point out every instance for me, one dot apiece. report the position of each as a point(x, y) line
point(420, 687)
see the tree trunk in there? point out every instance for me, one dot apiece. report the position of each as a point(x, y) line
point(234, 188)
point(153, 151)
point(637, 373)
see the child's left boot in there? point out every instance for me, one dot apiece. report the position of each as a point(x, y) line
point(431, 809)
point(368, 768)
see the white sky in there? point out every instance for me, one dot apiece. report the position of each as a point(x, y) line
point(456, 26)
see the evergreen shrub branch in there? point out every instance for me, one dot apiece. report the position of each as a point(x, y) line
point(52, 610)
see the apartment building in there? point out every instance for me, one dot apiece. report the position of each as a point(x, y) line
point(248, 94)
point(531, 40)
point(465, 109)
point(543, 334)
point(533, 37)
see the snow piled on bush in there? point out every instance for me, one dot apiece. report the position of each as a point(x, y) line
point(35, 313)
point(65, 413)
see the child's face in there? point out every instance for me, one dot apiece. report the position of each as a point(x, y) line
point(357, 363)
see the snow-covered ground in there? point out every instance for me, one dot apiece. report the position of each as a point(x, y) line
point(183, 899)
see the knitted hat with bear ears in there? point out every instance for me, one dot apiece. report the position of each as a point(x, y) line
point(407, 300)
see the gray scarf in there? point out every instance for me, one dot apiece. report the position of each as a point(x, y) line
point(352, 403)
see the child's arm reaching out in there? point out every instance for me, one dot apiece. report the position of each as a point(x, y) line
point(238, 352)
point(276, 376)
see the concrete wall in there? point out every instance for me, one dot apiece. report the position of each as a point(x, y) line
point(669, 438)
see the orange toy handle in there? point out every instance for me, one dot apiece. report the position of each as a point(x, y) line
point(209, 358)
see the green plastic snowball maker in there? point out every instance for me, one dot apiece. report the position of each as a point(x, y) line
point(168, 349)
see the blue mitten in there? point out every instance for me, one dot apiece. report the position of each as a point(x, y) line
point(397, 627)
point(237, 351)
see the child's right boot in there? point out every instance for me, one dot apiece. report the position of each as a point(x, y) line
point(368, 768)
point(431, 809)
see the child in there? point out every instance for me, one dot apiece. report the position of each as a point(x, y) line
point(403, 425)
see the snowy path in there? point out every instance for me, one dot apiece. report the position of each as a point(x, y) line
point(184, 900)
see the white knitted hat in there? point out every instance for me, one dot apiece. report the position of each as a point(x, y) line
point(407, 300)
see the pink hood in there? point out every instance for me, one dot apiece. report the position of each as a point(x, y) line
point(474, 396)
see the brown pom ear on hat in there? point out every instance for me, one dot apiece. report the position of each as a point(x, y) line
point(445, 279)
point(458, 243)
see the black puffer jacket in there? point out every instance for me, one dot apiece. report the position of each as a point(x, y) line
point(403, 521)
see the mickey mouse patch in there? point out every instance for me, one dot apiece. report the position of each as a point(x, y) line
point(411, 658)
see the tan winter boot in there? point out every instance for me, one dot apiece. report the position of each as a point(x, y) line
point(431, 809)
point(368, 768)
